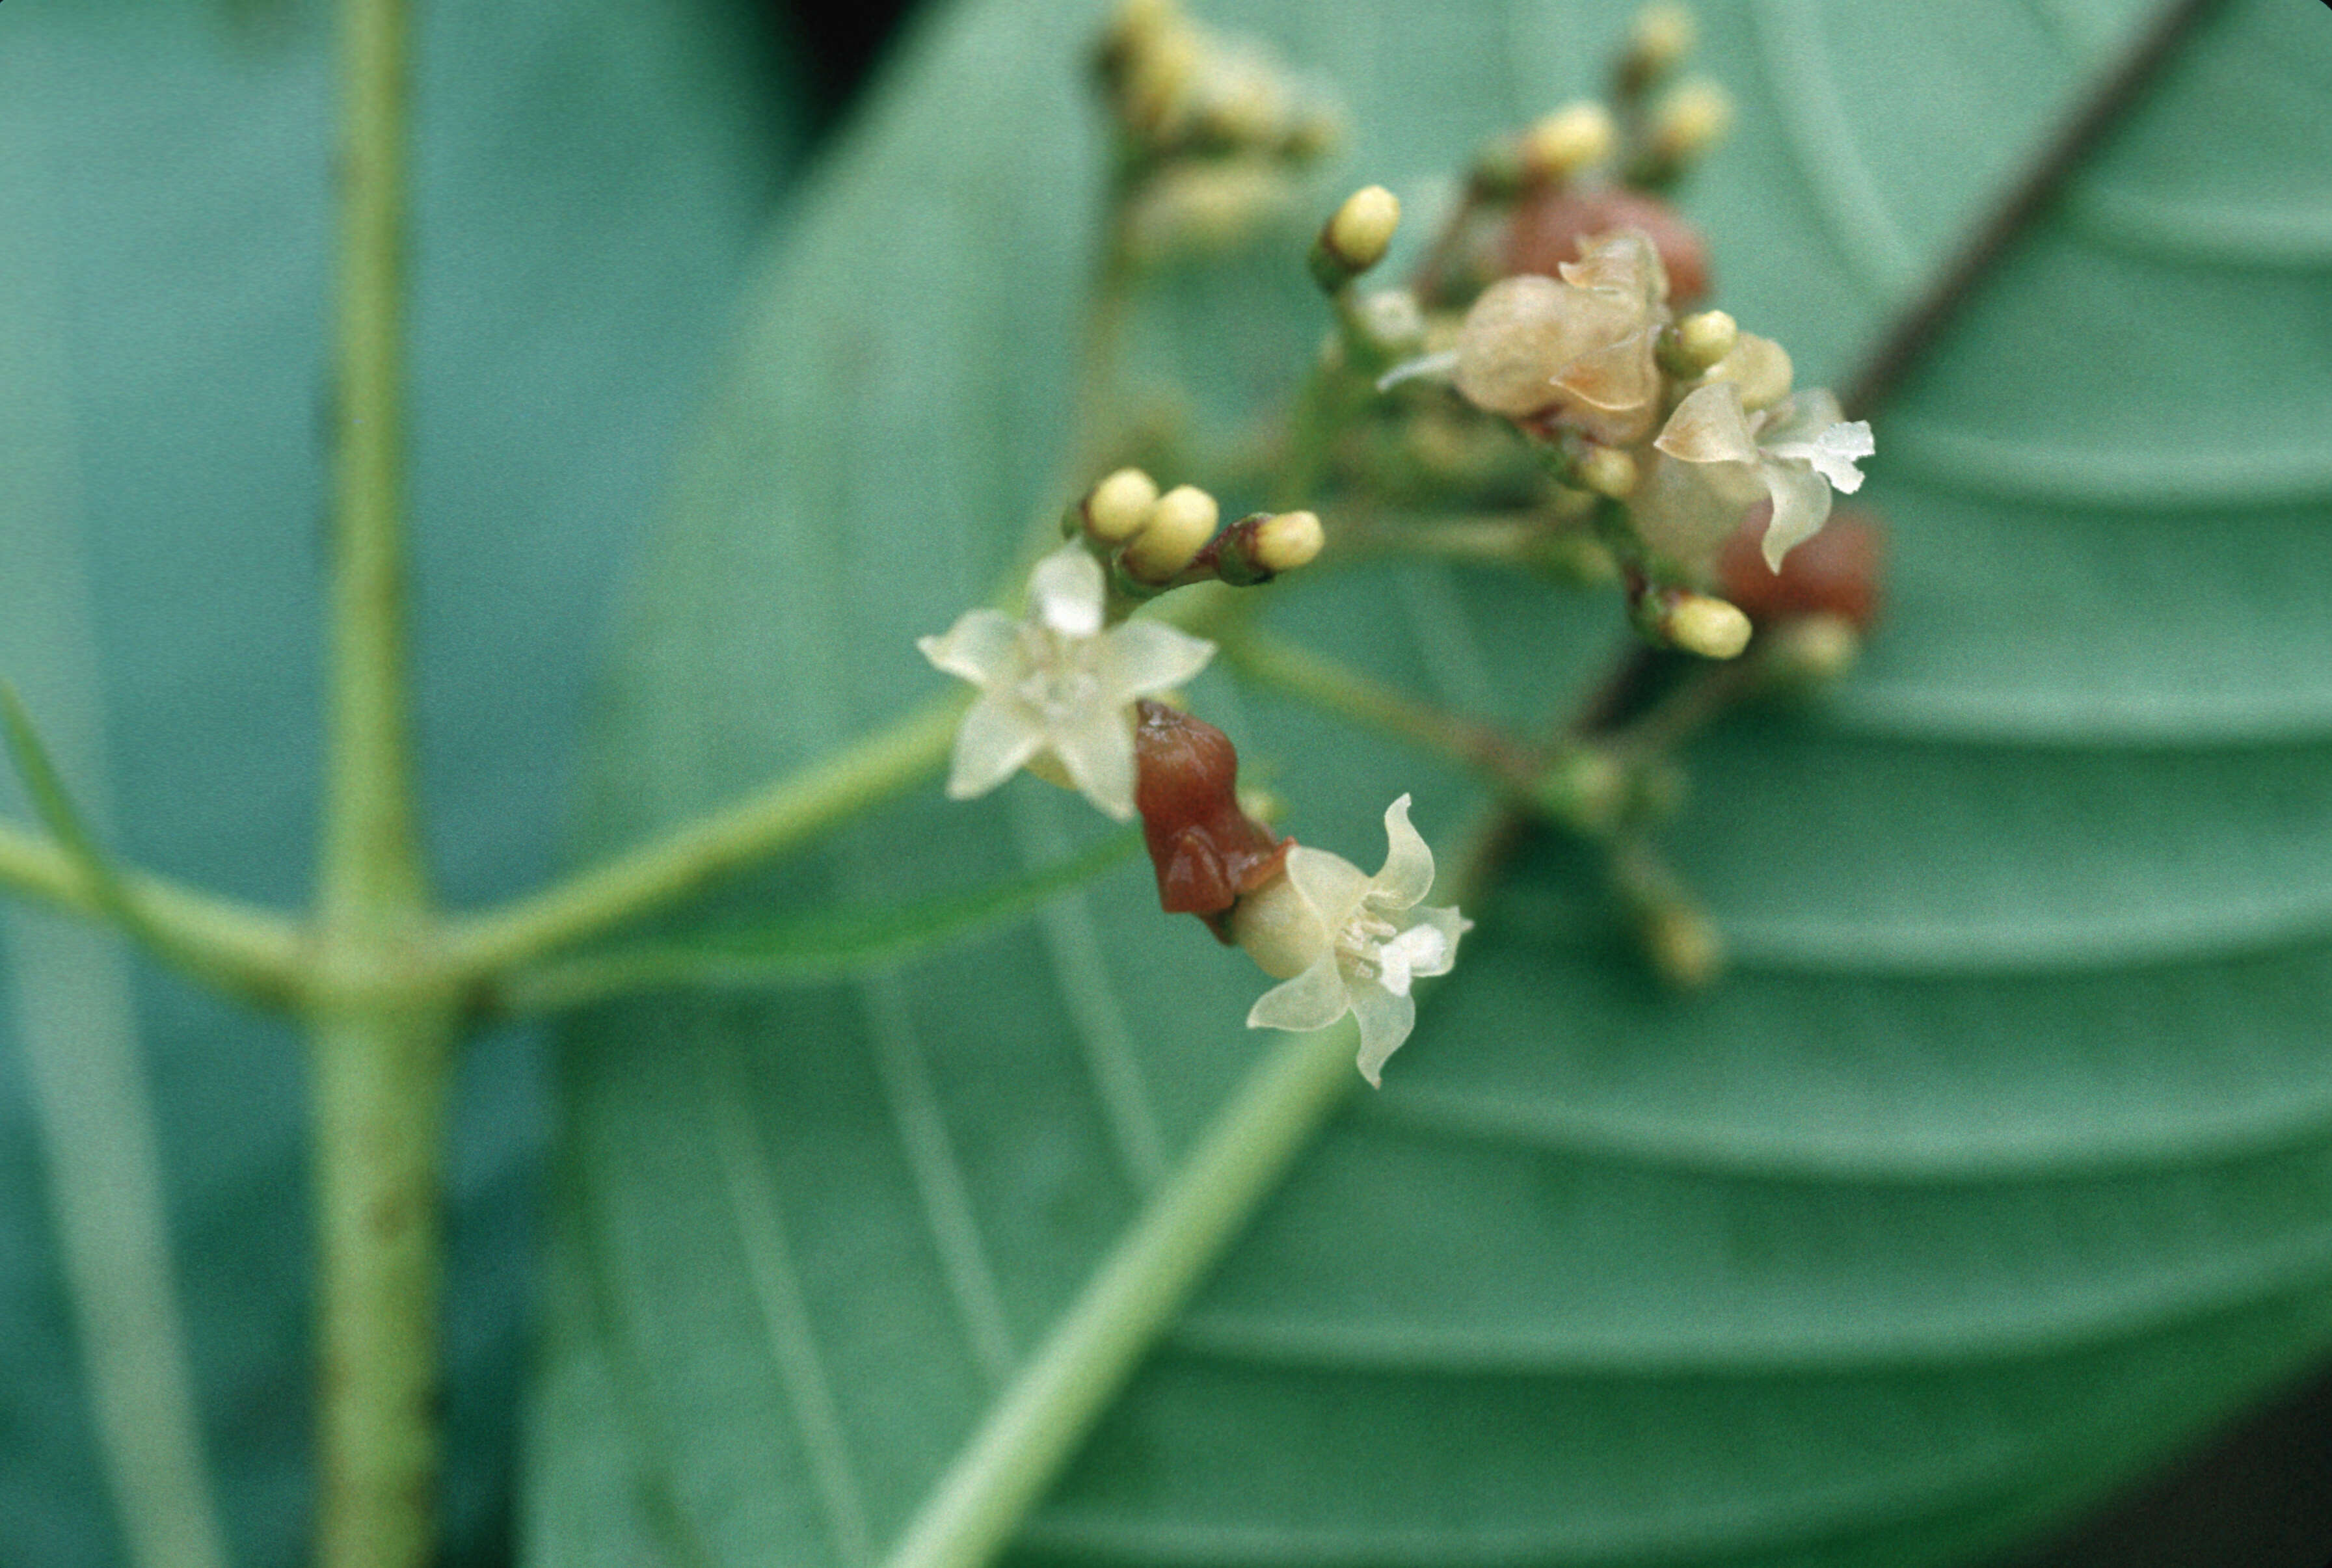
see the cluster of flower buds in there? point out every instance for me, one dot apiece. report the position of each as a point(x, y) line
point(1682, 424)
point(1667, 428)
point(1067, 691)
point(1210, 130)
point(1155, 542)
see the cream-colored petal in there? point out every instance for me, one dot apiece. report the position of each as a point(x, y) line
point(1065, 592)
point(998, 735)
point(1832, 452)
point(1385, 1021)
point(1408, 874)
point(1278, 929)
point(1143, 658)
point(1449, 925)
point(1621, 375)
point(1758, 366)
point(1097, 751)
point(1311, 1000)
point(1397, 957)
point(981, 647)
point(1686, 511)
point(1806, 415)
point(1624, 261)
point(1800, 506)
point(1438, 367)
point(1709, 426)
point(1519, 332)
point(1331, 884)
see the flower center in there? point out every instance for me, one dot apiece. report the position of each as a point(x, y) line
point(1060, 681)
point(1360, 946)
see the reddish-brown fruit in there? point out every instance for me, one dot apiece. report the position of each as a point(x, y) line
point(1205, 849)
point(1838, 572)
point(1549, 223)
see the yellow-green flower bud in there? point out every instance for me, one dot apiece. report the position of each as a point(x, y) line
point(1759, 366)
point(1180, 524)
point(1363, 227)
point(1683, 946)
point(1606, 470)
point(1658, 41)
point(1689, 121)
point(1575, 137)
point(1291, 539)
point(1810, 650)
point(1696, 343)
point(1704, 625)
point(1120, 506)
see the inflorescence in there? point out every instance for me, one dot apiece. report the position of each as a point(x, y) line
point(1545, 371)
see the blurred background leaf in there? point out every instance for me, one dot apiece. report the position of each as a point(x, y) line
point(590, 177)
point(2001, 1168)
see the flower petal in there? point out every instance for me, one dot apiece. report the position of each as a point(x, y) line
point(1385, 1020)
point(1408, 874)
point(1065, 592)
point(1709, 426)
point(1143, 658)
point(1833, 453)
point(980, 647)
point(1434, 367)
point(1097, 751)
point(1625, 260)
point(997, 736)
point(1449, 925)
point(1800, 505)
point(1331, 884)
point(1311, 1000)
point(1686, 510)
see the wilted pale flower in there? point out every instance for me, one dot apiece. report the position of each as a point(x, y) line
point(1056, 688)
point(1345, 942)
point(1716, 460)
point(1581, 349)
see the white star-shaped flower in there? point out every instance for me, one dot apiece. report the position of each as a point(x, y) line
point(1722, 458)
point(1346, 942)
point(1057, 691)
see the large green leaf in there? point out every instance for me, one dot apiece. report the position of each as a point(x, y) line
point(2003, 1163)
point(589, 178)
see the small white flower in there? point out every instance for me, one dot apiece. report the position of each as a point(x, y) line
point(1346, 942)
point(1718, 459)
point(1056, 690)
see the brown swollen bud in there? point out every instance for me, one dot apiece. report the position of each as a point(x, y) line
point(1206, 851)
point(1550, 222)
point(1837, 572)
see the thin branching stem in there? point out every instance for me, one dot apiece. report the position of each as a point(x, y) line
point(242, 949)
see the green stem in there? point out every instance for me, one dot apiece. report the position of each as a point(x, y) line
point(1034, 1430)
point(370, 867)
point(248, 951)
point(383, 1018)
point(1267, 660)
point(382, 1061)
point(667, 869)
